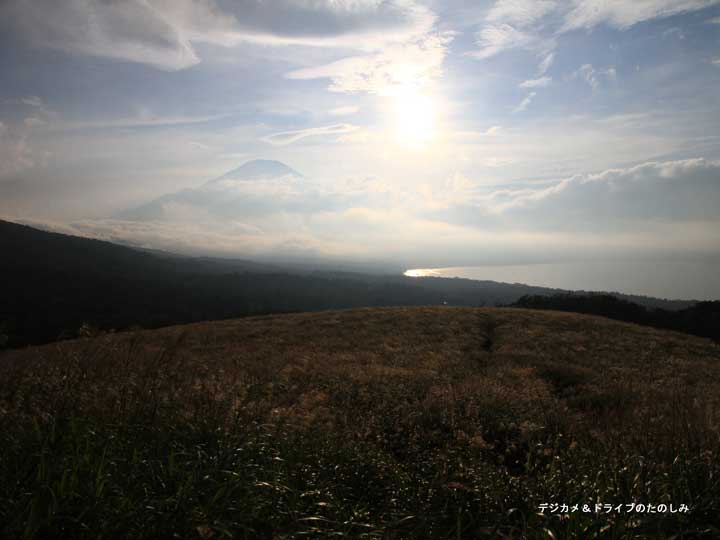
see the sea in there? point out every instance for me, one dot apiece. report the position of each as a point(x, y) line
point(677, 280)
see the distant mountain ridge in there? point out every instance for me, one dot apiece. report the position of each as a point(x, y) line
point(56, 283)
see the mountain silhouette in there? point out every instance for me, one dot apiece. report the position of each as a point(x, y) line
point(257, 170)
point(244, 191)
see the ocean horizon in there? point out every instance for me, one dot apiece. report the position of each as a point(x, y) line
point(676, 280)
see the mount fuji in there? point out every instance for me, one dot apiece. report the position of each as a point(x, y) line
point(255, 188)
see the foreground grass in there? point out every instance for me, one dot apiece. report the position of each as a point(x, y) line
point(383, 423)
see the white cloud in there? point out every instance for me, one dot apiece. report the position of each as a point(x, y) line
point(360, 24)
point(40, 113)
point(163, 33)
point(627, 119)
point(546, 63)
point(522, 13)
point(287, 137)
point(496, 161)
point(521, 24)
point(185, 237)
point(652, 207)
point(623, 14)
point(593, 76)
point(363, 185)
point(30, 101)
point(134, 31)
point(674, 32)
point(359, 136)
point(456, 188)
point(495, 38)
point(513, 24)
point(398, 65)
point(32, 122)
point(33, 101)
point(198, 145)
point(542, 82)
point(524, 103)
point(345, 110)
point(16, 154)
point(663, 191)
point(465, 136)
point(140, 121)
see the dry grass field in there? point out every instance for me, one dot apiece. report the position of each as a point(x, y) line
point(370, 423)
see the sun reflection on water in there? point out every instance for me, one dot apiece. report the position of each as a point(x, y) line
point(421, 272)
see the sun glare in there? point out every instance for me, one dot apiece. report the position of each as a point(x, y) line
point(414, 118)
point(420, 272)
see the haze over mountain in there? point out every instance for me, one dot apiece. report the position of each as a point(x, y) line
point(232, 196)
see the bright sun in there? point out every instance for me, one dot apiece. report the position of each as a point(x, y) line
point(414, 118)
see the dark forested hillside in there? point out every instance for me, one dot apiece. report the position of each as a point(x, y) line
point(54, 284)
point(701, 319)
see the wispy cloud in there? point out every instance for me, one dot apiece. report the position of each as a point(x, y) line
point(33, 122)
point(493, 39)
point(513, 24)
point(396, 66)
point(288, 137)
point(35, 106)
point(593, 76)
point(622, 15)
point(133, 31)
point(16, 154)
point(164, 34)
point(542, 82)
point(522, 24)
point(30, 101)
point(140, 121)
point(473, 135)
point(524, 103)
point(521, 13)
point(546, 63)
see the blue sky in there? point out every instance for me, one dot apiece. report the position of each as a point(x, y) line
point(435, 133)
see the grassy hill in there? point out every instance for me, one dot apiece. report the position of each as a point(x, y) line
point(383, 423)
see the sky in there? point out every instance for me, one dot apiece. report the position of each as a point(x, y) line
point(423, 133)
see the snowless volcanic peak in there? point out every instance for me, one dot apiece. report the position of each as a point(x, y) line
point(238, 192)
point(258, 169)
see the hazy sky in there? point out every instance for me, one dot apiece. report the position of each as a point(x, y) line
point(429, 133)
